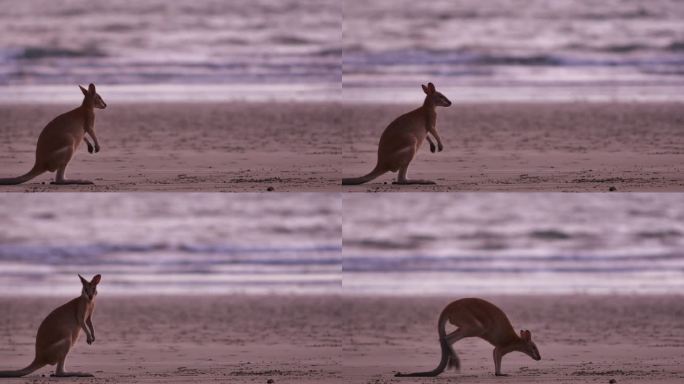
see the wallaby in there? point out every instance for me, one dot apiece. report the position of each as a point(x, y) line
point(401, 139)
point(59, 140)
point(59, 331)
point(478, 318)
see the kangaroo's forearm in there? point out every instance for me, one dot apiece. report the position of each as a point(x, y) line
point(91, 133)
point(433, 132)
point(89, 323)
point(85, 329)
point(90, 146)
point(432, 145)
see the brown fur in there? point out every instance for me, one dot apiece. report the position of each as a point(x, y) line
point(59, 140)
point(401, 140)
point(478, 318)
point(59, 332)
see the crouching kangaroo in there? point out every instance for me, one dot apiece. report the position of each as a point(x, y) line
point(478, 318)
point(59, 331)
point(59, 140)
point(401, 140)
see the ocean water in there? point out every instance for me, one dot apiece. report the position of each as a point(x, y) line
point(473, 243)
point(171, 50)
point(514, 50)
point(171, 243)
point(381, 50)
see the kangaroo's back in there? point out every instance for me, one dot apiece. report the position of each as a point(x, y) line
point(65, 130)
point(59, 331)
point(60, 139)
point(401, 140)
point(62, 322)
point(410, 125)
point(475, 317)
point(495, 326)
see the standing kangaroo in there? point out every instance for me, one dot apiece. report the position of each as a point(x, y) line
point(59, 331)
point(478, 318)
point(59, 140)
point(401, 140)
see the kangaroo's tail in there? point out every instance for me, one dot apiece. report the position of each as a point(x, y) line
point(35, 171)
point(34, 366)
point(449, 357)
point(377, 171)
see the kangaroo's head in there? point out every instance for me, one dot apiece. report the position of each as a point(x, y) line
point(89, 287)
point(528, 346)
point(92, 99)
point(433, 97)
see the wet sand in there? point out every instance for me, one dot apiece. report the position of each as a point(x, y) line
point(582, 339)
point(186, 147)
point(583, 147)
point(237, 339)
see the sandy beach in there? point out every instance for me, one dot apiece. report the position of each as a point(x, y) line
point(582, 339)
point(238, 339)
point(186, 147)
point(582, 147)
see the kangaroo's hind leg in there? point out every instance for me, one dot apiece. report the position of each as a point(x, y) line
point(402, 180)
point(401, 160)
point(458, 334)
point(59, 161)
point(60, 372)
point(61, 180)
point(57, 353)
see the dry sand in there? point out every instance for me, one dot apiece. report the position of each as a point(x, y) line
point(582, 339)
point(530, 147)
point(238, 339)
point(187, 147)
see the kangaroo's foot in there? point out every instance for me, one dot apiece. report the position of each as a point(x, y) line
point(61, 180)
point(60, 372)
point(402, 180)
point(415, 182)
point(72, 374)
point(72, 182)
point(500, 374)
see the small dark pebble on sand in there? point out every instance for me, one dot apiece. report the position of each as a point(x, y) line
point(269, 381)
point(612, 189)
point(612, 381)
point(270, 189)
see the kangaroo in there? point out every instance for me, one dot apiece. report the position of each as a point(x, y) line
point(478, 318)
point(401, 140)
point(59, 331)
point(59, 140)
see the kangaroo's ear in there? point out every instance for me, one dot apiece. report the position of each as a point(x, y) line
point(425, 89)
point(431, 88)
point(526, 335)
point(85, 91)
point(91, 88)
point(96, 280)
point(83, 281)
